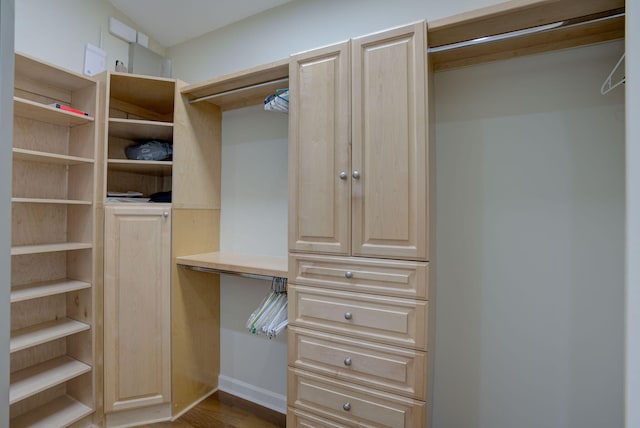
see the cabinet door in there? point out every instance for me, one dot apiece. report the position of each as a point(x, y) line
point(319, 182)
point(389, 153)
point(137, 290)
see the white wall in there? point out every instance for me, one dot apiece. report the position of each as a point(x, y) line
point(530, 228)
point(530, 219)
point(6, 138)
point(254, 221)
point(298, 26)
point(58, 31)
point(633, 215)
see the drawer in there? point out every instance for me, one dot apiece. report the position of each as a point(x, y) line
point(299, 419)
point(385, 319)
point(398, 370)
point(351, 405)
point(388, 277)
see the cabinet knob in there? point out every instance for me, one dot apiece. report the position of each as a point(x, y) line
point(347, 361)
point(348, 274)
point(346, 406)
point(165, 214)
point(347, 315)
point(343, 175)
point(356, 174)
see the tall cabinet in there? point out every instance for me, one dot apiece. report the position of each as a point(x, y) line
point(358, 237)
point(53, 246)
point(153, 368)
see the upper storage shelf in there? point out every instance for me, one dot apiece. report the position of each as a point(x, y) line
point(569, 23)
point(243, 88)
point(147, 98)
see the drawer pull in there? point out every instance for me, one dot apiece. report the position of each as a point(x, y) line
point(347, 315)
point(347, 361)
point(348, 274)
point(346, 406)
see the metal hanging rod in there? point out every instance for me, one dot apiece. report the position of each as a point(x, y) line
point(235, 273)
point(235, 91)
point(574, 22)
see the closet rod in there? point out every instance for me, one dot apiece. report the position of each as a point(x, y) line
point(235, 273)
point(235, 91)
point(574, 22)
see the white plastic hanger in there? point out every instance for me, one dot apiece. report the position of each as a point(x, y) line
point(608, 86)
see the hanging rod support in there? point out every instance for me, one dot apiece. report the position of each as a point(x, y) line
point(235, 91)
point(235, 273)
point(589, 19)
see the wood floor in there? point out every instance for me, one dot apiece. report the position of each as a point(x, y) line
point(226, 411)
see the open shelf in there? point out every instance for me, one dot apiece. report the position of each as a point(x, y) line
point(45, 332)
point(144, 96)
point(43, 113)
point(60, 412)
point(143, 167)
point(36, 156)
point(243, 88)
point(49, 248)
point(20, 293)
point(140, 129)
point(233, 263)
point(32, 380)
point(49, 201)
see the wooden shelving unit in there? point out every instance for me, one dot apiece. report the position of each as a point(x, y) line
point(52, 252)
point(140, 108)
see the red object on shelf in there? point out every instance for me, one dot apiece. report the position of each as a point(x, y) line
point(71, 109)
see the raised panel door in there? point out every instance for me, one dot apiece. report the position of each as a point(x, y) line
point(137, 353)
point(319, 152)
point(389, 146)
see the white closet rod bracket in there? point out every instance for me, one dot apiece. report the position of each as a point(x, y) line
point(235, 273)
point(589, 19)
point(235, 91)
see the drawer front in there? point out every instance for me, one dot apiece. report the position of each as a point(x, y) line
point(388, 277)
point(299, 419)
point(350, 404)
point(385, 319)
point(398, 370)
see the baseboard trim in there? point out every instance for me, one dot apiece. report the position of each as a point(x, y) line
point(253, 394)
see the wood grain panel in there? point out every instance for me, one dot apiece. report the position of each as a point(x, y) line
point(319, 151)
point(389, 205)
point(137, 293)
point(195, 313)
point(197, 156)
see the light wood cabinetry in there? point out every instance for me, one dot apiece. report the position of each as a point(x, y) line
point(157, 369)
point(139, 109)
point(358, 237)
point(359, 186)
point(53, 244)
point(137, 340)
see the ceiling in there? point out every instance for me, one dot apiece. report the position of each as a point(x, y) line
point(170, 22)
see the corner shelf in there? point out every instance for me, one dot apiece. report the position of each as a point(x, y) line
point(49, 248)
point(160, 168)
point(37, 290)
point(48, 114)
point(44, 332)
point(36, 156)
point(32, 380)
point(140, 129)
point(49, 201)
point(63, 411)
point(254, 266)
